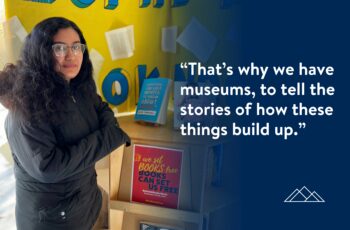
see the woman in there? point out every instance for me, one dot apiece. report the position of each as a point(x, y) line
point(57, 128)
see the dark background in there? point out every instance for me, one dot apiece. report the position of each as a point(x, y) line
point(267, 169)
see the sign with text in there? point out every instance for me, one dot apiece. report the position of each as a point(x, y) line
point(156, 175)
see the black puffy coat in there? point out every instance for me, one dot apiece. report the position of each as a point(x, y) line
point(54, 164)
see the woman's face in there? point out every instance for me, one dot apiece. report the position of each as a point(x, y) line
point(68, 53)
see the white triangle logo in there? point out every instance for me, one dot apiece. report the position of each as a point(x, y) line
point(304, 195)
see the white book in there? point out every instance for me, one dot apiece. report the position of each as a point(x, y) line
point(97, 61)
point(121, 42)
point(198, 40)
point(15, 26)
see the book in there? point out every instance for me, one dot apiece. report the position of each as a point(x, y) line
point(156, 175)
point(153, 101)
point(121, 42)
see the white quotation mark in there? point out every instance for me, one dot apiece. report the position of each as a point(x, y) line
point(302, 125)
point(183, 65)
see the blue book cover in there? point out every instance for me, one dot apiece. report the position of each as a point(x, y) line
point(153, 100)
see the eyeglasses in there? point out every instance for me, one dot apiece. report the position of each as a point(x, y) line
point(61, 50)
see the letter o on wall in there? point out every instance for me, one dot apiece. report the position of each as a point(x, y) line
point(115, 75)
point(82, 3)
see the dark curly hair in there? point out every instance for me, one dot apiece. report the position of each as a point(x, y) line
point(6, 85)
point(32, 86)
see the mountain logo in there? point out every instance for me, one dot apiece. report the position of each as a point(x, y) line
point(304, 195)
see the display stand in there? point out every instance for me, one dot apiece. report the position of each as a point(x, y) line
point(197, 197)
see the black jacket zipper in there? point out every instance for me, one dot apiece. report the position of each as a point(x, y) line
point(73, 99)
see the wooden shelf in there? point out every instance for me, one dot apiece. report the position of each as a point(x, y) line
point(166, 213)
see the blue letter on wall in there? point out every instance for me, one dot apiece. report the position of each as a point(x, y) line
point(144, 3)
point(82, 3)
point(177, 3)
point(114, 77)
point(111, 4)
point(158, 3)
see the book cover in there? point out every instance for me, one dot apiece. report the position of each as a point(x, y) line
point(156, 175)
point(153, 100)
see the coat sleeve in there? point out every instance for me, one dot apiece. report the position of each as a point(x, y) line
point(104, 113)
point(36, 149)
